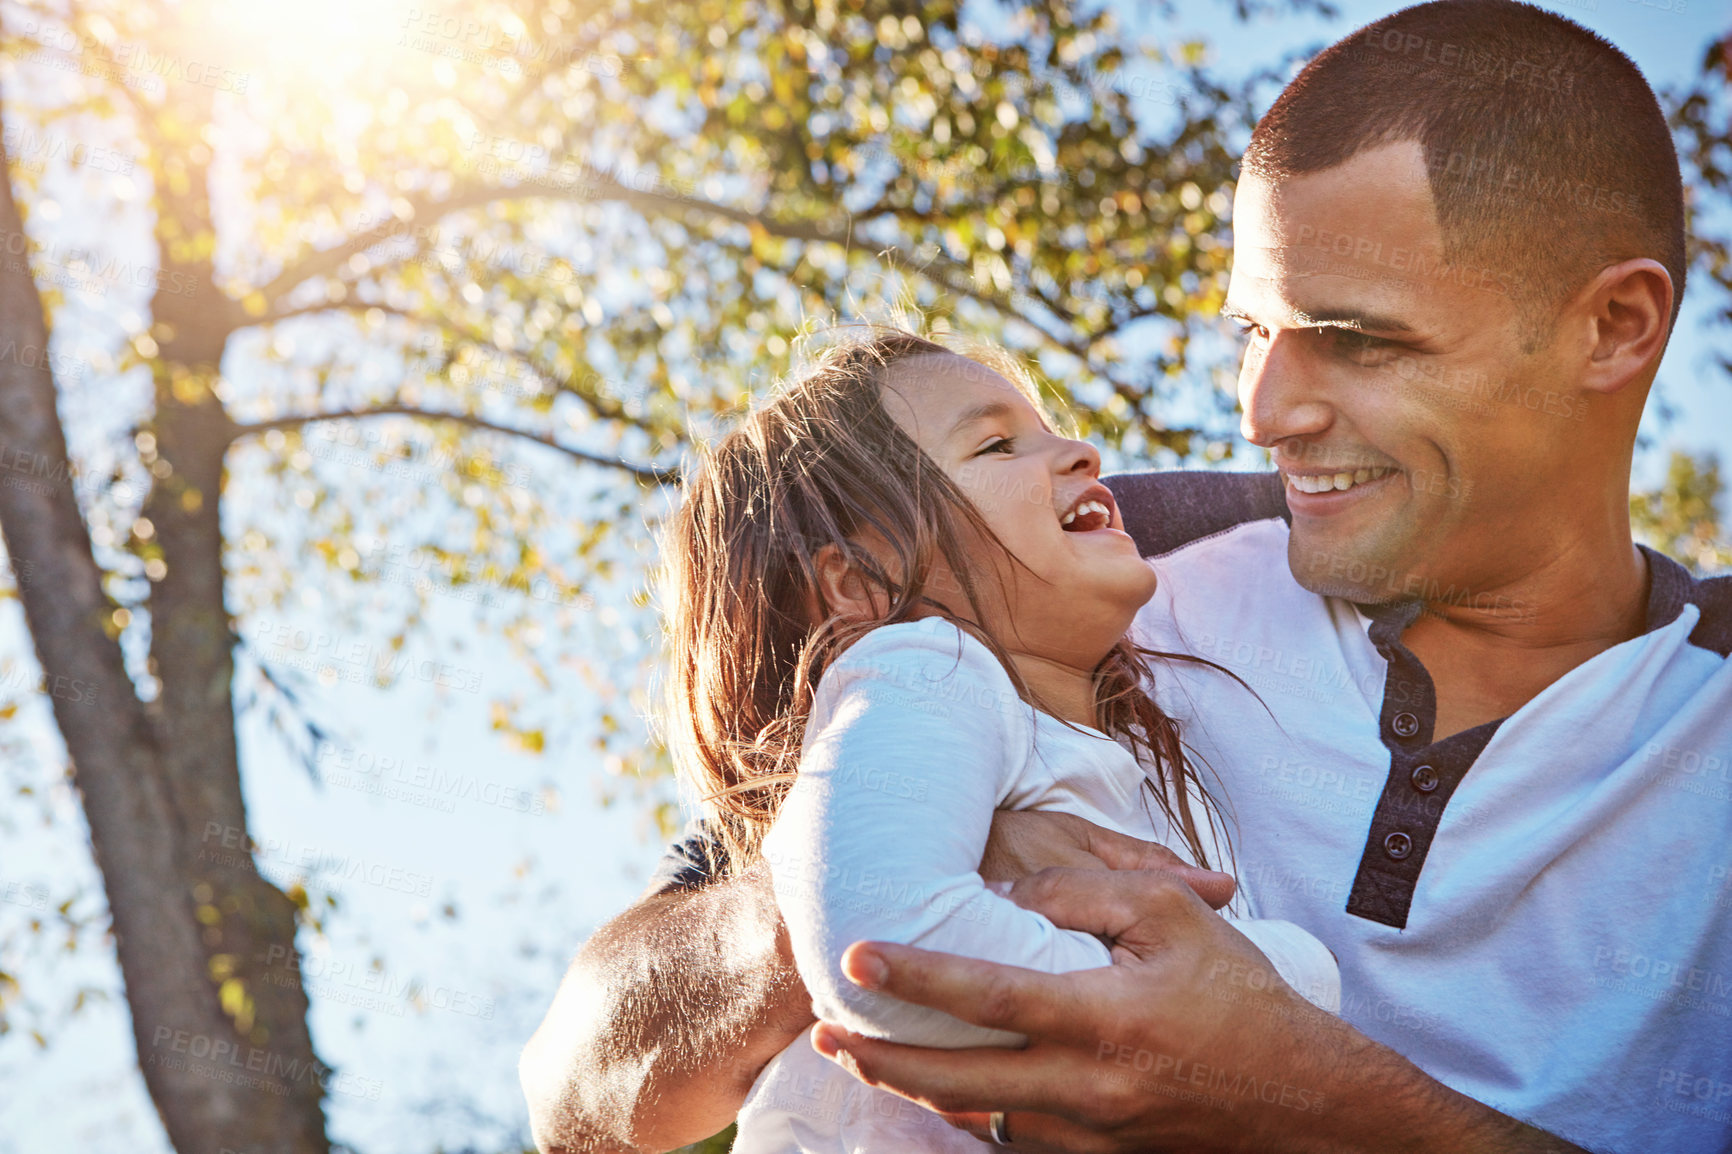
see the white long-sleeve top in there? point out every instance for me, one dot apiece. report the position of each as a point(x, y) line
point(916, 737)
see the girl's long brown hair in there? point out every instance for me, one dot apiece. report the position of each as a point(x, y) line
point(750, 631)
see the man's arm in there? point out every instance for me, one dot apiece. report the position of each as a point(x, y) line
point(663, 1022)
point(670, 1011)
point(1187, 1042)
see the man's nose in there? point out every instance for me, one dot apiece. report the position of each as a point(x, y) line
point(1280, 393)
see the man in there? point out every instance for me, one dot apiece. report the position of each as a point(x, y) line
point(1486, 754)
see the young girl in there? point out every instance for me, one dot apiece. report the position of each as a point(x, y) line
point(898, 602)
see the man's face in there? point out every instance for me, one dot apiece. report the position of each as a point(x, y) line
point(1419, 443)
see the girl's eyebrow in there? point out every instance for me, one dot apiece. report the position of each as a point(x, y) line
point(985, 411)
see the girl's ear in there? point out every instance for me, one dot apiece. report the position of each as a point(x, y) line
point(844, 588)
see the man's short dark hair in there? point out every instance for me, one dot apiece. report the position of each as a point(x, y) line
point(1547, 153)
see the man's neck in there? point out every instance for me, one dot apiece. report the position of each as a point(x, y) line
point(1489, 658)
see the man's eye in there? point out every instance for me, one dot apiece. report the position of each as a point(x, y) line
point(1249, 330)
point(1359, 347)
point(996, 445)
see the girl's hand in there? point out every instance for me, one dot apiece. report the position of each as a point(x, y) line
point(1025, 842)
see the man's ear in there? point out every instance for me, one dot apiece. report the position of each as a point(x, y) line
point(843, 587)
point(1628, 313)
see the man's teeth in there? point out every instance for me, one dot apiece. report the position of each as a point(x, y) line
point(1086, 508)
point(1331, 482)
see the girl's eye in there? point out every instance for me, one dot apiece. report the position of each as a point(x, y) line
point(1249, 330)
point(996, 445)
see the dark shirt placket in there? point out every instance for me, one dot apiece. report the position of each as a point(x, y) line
point(1423, 775)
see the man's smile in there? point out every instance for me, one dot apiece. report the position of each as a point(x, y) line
point(1335, 481)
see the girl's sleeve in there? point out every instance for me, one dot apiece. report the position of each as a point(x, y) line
point(915, 738)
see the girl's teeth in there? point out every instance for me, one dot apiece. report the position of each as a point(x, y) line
point(1085, 508)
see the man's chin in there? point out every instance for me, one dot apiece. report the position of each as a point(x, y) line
point(1362, 572)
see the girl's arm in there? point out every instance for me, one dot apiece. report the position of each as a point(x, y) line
point(915, 738)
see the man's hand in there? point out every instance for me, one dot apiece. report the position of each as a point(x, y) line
point(1025, 842)
point(1189, 1041)
point(671, 1010)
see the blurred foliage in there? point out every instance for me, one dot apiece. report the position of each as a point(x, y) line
point(597, 231)
point(1701, 117)
point(1683, 518)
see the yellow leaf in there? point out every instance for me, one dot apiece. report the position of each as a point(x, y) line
point(236, 1003)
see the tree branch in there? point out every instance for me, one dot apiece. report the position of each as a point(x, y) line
point(603, 407)
point(90, 43)
point(342, 306)
point(606, 187)
point(646, 473)
point(941, 270)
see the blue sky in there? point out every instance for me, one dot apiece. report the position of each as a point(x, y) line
point(517, 847)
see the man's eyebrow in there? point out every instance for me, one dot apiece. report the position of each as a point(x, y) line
point(1355, 319)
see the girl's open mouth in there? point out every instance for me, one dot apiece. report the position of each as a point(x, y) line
point(1093, 509)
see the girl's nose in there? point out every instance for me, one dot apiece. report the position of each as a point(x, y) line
point(1079, 457)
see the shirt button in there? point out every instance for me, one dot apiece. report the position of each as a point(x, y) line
point(1425, 779)
point(1397, 846)
point(1405, 725)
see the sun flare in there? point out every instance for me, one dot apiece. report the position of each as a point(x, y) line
point(312, 42)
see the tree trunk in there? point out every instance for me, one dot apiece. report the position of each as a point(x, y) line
point(225, 1052)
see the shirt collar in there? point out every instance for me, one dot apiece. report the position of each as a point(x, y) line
point(1670, 588)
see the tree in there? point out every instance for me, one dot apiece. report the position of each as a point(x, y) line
point(1682, 518)
point(749, 168)
point(1701, 117)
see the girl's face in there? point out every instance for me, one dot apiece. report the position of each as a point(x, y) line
point(1081, 580)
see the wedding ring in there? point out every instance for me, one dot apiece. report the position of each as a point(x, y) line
point(995, 1127)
